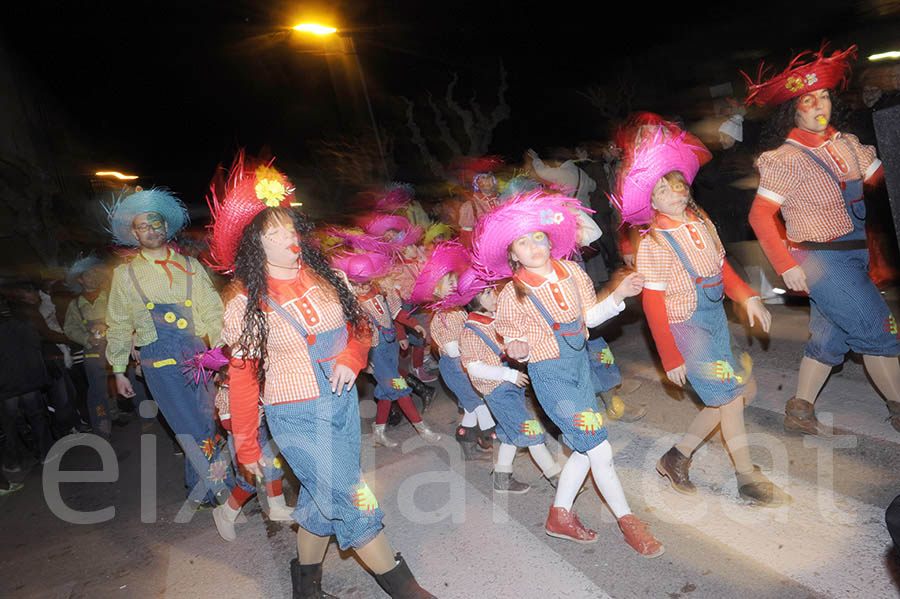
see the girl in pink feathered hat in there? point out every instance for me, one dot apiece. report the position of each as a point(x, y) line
point(388, 339)
point(436, 284)
point(686, 277)
point(543, 316)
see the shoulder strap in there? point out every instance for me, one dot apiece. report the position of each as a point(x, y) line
point(490, 343)
point(190, 278)
point(679, 251)
point(816, 159)
point(287, 316)
point(137, 285)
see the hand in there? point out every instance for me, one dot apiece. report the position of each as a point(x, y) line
point(522, 380)
point(123, 386)
point(628, 259)
point(629, 287)
point(757, 312)
point(678, 375)
point(517, 350)
point(531, 153)
point(795, 279)
point(254, 470)
point(420, 330)
point(341, 377)
point(404, 344)
point(136, 354)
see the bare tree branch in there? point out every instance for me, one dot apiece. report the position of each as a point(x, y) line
point(436, 168)
point(446, 134)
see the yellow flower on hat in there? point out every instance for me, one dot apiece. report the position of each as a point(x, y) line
point(794, 83)
point(270, 186)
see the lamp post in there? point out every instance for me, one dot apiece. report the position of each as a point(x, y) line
point(324, 30)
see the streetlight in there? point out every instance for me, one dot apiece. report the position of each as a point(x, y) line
point(116, 174)
point(323, 30)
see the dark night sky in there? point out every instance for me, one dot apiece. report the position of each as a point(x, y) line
point(170, 88)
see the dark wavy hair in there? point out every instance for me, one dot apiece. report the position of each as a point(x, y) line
point(250, 270)
point(776, 129)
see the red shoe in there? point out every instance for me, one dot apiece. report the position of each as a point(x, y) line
point(640, 539)
point(563, 524)
point(423, 375)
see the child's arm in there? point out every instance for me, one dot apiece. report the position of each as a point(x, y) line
point(508, 323)
point(480, 370)
point(656, 264)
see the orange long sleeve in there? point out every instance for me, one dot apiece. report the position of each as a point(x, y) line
point(243, 396)
point(735, 287)
point(770, 232)
point(654, 303)
point(356, 355)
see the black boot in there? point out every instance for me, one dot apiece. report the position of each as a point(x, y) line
point(486, 438)
point(399, 583)
point(307, 581)
point(467, 437)
point(425, 393)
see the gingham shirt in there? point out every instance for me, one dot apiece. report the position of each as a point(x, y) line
point(476, 207)
point(80, 311)
point(473, 349)
point(568, 298)
point(810, 200)
point(127, 314)
point(376, 306)
point(403, 276)
point(663, 271)
point(289, 369)
point(447, 326)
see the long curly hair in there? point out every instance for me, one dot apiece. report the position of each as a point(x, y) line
point(250, 271)
point(776, 129)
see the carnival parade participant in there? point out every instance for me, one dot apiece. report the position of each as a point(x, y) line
point(686, 277)
point(542, 316)
point(477, 175)
point(387, 341)
point(298, 340)
point(436, 281)
point(815, 179)
point(164, 304)
point(226, 514)
point(503, 388)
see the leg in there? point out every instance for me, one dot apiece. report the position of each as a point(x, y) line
point(604, 473)
point(36, 413)
point(11, 433)
point(703, 425)
point(799, 414)
point(311, 547)
point(562, 523)
point(545, 460)
point(381, 418)
point(503, 480)
point(377, 554)
point(675, 463)
point(885, 372)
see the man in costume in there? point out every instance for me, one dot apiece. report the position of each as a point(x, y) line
point(815, 178)
point(164, 304)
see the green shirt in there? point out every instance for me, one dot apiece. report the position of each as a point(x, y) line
point(80, 311)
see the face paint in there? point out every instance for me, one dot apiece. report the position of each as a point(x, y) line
point(540, 238)
point(679, 188)
point(155, 220)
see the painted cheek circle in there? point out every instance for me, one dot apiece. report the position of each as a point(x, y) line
point(539, 238)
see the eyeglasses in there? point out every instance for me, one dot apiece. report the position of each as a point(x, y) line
point(147, 227)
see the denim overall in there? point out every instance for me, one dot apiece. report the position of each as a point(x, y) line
point(846, 310)
point(320, 439)
point(515, 425)
point(97, 375)
point(187, 407)
point(272, 471)
point(415, 340)
point(389, 384)
point(704, 339)
point(564, 387)
point(604, 372)
point(458, 381)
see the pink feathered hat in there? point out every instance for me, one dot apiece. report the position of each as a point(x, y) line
point(654, 158)
point(445, 258)
point(397, 195)
point(470, 284)
point(358, 239)
point(380, 224)
point(521, 215)
point(362, 268)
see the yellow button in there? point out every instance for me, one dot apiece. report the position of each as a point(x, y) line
point(150, 305)
point(188, 303)
point(166, 362)
point(182, 323)
point(169, 317)
point(83, 322)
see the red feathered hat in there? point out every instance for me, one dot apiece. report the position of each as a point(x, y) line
point(467, 168)
point(802, 76)
point(249, 190)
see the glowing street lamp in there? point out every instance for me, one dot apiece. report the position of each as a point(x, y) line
point(885, 55)
point(315, 28)
point(116, 174)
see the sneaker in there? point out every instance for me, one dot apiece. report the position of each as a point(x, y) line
point(563, 524)
point(640, 539)
point(423, 375)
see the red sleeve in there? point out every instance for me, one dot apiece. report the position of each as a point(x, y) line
point(243, 395)
point(406, 320)
point(356, 355)
point(655, 310)
point(735, 287)
point(400, 330)
point(875, 179)
point(625, 246)
point(465, 238)
point(770, 232)
point(703, 154)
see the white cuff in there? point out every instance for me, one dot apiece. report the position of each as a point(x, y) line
point(771, 195)
point(451, 348)
point(479, 369)
point(876, 164)
point(602, 311)
point(656, 286)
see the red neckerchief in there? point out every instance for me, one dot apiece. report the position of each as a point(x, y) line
point(481, 318)
point(812, 140)
point(165, 262)
point(535, 280)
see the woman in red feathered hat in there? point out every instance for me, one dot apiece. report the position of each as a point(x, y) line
point(298, 340)
point(815, 178)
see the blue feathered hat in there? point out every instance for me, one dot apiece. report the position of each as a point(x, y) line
point(78, 268)
point(518, 185)
point(124, 209)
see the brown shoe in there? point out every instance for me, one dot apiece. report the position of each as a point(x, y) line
point(759, 490)
point(563, 524)
point(640, 539)
point(894, 414)
point(674, 465)
point(800, 417)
